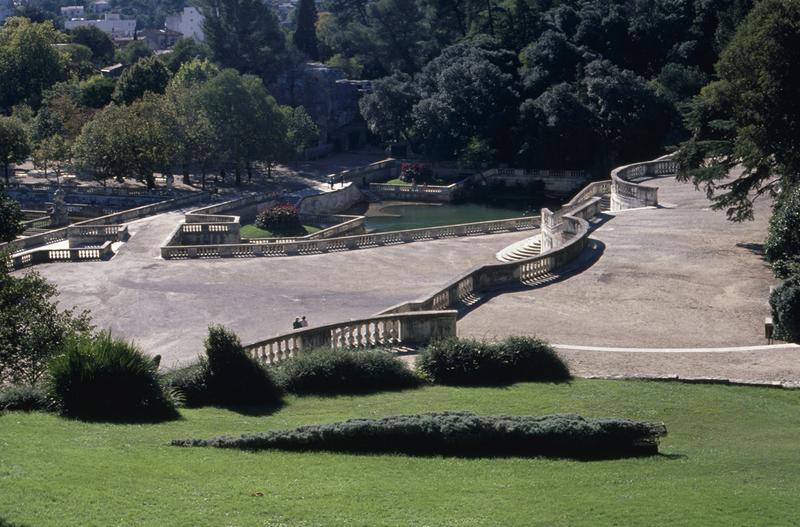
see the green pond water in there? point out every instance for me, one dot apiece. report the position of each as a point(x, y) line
point(382, 217)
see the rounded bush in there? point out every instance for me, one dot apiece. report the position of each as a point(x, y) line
point(785, 304)
point(104, 378)
point(189, 384)
point(25, 398)
point(233, 377)
point(282, 220)
point(327, 372)
point(471, 362)
point(782, 248)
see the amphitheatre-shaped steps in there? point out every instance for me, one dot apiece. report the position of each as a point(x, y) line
point(522, 249)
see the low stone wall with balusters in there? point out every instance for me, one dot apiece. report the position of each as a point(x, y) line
point(282, 247)
point(626, 193)
point(403, 329)
point(71, 254)
point(431, 193)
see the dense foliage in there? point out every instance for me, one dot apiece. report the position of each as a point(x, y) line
point(10, 217)
point(281, 220)
point(189, 384)
point(104, 378)
point(471, 362)
point(234, 378)
point(32, 329)
point(326, 371)
point(462, 433)
point(750, 115)
point(785, 304)
point(782, 248)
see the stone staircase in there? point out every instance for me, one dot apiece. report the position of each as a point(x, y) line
point(605, 202)
point(523, 249)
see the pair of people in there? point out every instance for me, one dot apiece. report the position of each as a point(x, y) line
point(300, 322)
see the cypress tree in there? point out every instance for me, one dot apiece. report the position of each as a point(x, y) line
point(305, 36)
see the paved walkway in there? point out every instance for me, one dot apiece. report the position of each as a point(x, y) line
point(166, 306)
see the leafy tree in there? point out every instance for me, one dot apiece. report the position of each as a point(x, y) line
point(133, 52)
point(96, 91)
point(785, 305)
point(196, 137)
point(194, 73)
point(96, 40)
point(305, 36)
point(147, 75)
point(32, 330)
point(680, 82)
point(387, 108)
point(550, 60)
point(52, 153)
point(29, 61)
point(185, 50)
point(14, 145)
point(246, 120)
point(467, 93)
point(245, 35)
point(750, 116)
point(302, 132)
point(103, 148)
point(10, 219)
point(782, 248)
point(558, 131)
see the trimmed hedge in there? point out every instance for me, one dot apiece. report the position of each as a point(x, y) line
point(326, 372)
point(465, 362)
point(25, 398)
point(785, 304)
point(463, 434)
point(234, 378)
point(104, 378)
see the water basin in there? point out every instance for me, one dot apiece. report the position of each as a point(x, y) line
point(394, 216)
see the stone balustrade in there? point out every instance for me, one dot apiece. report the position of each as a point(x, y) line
point(626, 193)
point(392, 330)
point(284, 247)
point(70, 254)
point(42, 222)
point(415, 192)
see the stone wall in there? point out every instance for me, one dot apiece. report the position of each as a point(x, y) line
point(331, 202)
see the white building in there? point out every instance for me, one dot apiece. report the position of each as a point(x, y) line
point(112, 24)
point(101, 6)
point(72, 11)
point(189, 23)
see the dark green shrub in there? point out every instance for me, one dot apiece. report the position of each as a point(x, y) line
point(24, 397)
point(326, 371)
point(234, 378)
point(104, 378)
point(282, 220)
point(782, 248)
point(189, 384)
point(472, 362)
point(464, 434)
point(785, 304)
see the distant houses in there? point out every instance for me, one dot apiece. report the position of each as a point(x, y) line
point(188, 23)
point(111, 23)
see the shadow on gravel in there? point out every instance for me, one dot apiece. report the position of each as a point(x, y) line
point(591, 254)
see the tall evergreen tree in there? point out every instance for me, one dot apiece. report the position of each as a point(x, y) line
point(305, 36)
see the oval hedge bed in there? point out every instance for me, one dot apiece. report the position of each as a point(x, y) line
point(461, 434)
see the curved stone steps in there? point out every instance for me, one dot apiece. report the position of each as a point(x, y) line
point(522, 249)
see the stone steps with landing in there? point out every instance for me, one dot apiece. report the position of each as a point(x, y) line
point(526, 248)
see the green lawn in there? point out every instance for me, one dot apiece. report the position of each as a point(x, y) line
point(731, 459)
point(251, 231)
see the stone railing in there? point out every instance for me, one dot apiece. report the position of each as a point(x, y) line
point(414, 192)
point(37, 223)
point(392, 330)
point(627, 194)
point(110, 220)
point(362, 241)
point(69, 254)
point(101, 191)
point(97, 234)
point(380, 170)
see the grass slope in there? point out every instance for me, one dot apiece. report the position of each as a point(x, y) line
point(731, 459)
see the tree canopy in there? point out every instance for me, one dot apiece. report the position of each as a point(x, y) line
point(750, 115)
